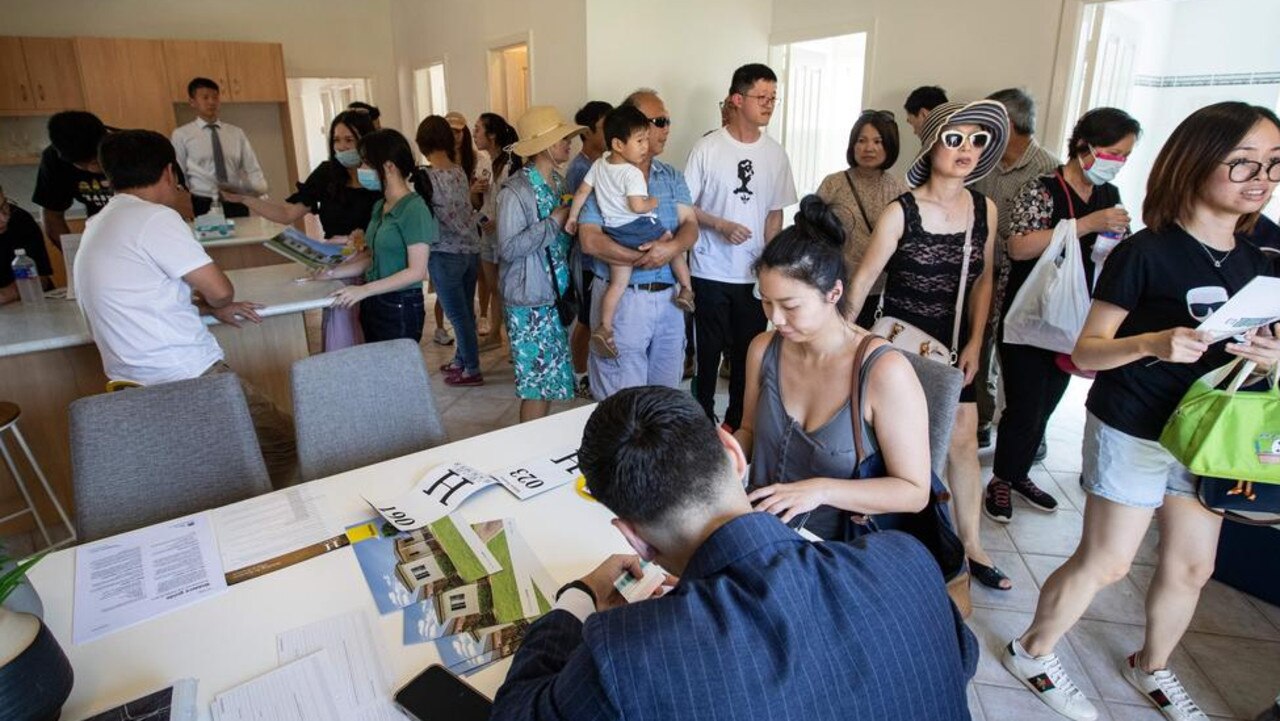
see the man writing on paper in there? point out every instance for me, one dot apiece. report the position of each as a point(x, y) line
point(762, 624)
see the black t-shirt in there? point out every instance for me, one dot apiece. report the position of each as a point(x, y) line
point(58, 183)
point(341, 208)
point(1164, 280)
point(1266, 235)
point(22, 232)
point(1041, 207)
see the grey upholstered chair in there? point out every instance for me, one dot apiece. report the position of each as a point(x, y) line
point(150, 454)
point(362, 405)
point(942, 386)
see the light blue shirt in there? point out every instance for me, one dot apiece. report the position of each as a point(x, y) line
point(668, 186)
point(578, 168)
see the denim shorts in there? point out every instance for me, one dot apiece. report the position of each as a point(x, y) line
point(1131, 471)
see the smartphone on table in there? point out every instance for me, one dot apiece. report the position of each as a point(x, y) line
point(436, 694)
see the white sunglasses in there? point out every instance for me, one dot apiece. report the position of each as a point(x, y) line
point(954, 139)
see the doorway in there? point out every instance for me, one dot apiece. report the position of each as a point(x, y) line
point(429, 94)
point(820, 85)
point(1160, 60)
point(509, 88)
point(313, 103)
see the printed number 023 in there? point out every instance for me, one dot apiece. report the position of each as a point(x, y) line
point(523, 476)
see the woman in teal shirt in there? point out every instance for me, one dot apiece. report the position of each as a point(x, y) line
point(394, 260)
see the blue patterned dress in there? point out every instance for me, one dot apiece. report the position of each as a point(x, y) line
point(539, 344)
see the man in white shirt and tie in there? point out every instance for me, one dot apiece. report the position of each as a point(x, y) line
point(214, 153)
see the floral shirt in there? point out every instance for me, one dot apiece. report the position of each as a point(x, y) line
point(548, 199)
point(451, 204)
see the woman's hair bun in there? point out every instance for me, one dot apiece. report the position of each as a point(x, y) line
point(816, 217)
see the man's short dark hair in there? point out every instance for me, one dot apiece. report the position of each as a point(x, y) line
point(925, 97)
point(197, 83)
point(650, 451)
point(746, 76)
point(620, 123)
point(1021, 108)
point(135, 158)
point(372, 110)
point(75, 135)
point(588, 115)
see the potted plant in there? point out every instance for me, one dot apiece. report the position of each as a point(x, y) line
point(35, 675)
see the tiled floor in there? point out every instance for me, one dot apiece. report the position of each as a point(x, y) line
point(1229, 660)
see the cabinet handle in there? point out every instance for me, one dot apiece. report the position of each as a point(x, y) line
point(23, 88)
point(40, 91)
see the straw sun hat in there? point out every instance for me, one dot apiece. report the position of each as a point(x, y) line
point(541, 127)
point(989, 114)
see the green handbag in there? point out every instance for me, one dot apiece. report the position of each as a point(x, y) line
point(1228, 433)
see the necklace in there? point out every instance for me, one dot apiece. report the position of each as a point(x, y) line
point(1217, 262)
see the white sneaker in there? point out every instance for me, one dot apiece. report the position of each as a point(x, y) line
point(1045, 676)
point(1163, 690)
point(442, 337)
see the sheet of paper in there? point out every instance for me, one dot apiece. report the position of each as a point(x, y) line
point(1257, 304)
point(172, 703)
point(541, 474)
point(136, 576)
point(358, 676)
point(298, 691)
point(440, 492)
point(267, 533)
point(533, 581)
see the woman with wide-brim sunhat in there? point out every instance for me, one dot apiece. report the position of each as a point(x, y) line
point(533, 252)
point(919, 244)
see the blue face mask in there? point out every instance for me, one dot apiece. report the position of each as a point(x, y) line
point(349, 158)
point(368, 178)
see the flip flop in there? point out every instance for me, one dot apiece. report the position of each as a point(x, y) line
point(989, 576)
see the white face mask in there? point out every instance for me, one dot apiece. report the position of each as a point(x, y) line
point(1104, 168)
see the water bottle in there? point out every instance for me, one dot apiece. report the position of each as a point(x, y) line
point(1106, 241)
point(27, 278)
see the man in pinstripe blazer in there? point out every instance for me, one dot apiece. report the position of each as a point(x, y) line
point(761, 625)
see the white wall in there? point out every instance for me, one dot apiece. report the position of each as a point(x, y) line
point(460, 32)
point(686, 50)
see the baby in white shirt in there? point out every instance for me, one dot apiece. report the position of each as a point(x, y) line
point(628, 211)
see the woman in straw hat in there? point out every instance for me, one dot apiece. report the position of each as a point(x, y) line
point(919, 242)
point(533, 261)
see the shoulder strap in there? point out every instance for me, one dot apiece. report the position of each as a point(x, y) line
point(964, 273)
point(1071, 206)
point(855, 395)
point(858, 198)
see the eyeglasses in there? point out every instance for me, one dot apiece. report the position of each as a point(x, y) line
point(954, 139)
point(661, 121)
point(1242, 171)
point(765, 100)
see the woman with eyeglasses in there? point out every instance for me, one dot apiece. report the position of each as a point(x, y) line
point(1034, 380)
point(859, 194)
point(919, 243)
point(1209, 182)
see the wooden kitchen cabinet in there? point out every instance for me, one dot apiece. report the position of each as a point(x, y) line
point(55, 77)
point(187, 59)
point(125, 82)
point(256, 73)
point(15, 88)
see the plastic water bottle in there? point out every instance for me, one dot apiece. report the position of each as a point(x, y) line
point(27, 278)
point(1106, 242)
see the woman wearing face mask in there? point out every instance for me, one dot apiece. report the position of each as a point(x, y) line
point(858, 195)
point(1033, 381)
point(797, 410)
point(394, 260)
point(334, 193)
point(533, 249)
point(1206, 188)
point(919, 243)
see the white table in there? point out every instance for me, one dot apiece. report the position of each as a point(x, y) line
point(231, 639)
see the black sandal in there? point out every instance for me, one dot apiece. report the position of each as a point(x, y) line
point(989, 576)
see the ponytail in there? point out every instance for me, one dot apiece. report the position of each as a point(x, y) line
point(810, 251)
point(420, 179)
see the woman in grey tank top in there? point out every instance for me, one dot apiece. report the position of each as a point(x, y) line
point(798, 424)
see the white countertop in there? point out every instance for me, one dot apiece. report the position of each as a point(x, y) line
point(59, 324)
point(249, 231)
point(230, 639)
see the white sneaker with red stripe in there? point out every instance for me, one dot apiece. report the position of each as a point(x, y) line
point(1163, 690)
point(1045, 676)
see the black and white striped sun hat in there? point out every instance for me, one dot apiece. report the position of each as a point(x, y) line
point(989, 114)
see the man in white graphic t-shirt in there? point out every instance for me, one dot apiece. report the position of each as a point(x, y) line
point(740, 180)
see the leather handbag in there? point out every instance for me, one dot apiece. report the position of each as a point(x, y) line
point(931, 525)
point(910, 338)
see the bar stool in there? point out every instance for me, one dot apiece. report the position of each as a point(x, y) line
point(9, 413)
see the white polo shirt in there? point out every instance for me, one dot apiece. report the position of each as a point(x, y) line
point(128, 281)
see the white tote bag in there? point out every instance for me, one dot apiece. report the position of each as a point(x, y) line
point(1049, 310)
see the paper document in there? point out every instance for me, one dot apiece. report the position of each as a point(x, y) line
point(357, 673)
point(136, 576)
point(541, 474)
point(441, 491)
point(1257, 304)
point(270, 532)
point(296, 692)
